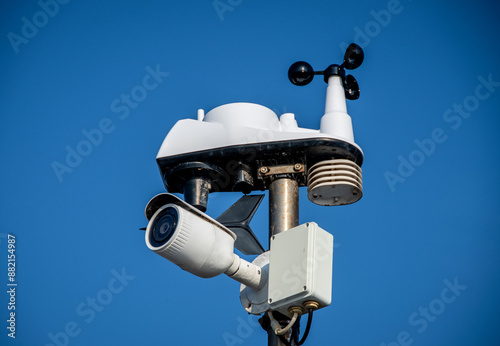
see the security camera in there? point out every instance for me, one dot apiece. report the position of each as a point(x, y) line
point(195, 242)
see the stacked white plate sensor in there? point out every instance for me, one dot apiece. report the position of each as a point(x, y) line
point(334, 182)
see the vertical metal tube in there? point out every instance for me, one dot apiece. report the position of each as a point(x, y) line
point(196, 193)
point(273, 339)
point(283, 205)
point(283, 215)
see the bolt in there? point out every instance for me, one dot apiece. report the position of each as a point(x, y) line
point(264, 170)
point(297, 166)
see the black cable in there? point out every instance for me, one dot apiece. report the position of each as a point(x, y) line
point(284, 340)
point(296, 331)
point(308, 328)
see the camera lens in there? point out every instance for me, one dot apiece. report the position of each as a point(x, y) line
point(164, 226)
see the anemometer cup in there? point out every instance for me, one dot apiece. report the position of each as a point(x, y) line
point(302, 73)
point(353, 57)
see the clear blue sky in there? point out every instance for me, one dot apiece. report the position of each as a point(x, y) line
point(430, 99)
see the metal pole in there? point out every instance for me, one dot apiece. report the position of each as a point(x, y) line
point(283, 205)
point(283, 215)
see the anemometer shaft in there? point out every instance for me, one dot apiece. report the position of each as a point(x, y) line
point(335, 99)
point(336, 121)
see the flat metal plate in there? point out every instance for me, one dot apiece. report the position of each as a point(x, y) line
point(329, 194)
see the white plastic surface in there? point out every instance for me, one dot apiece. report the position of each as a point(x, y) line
point(246, 273)
point(336, 122)
point(300, 268)
point(201, 115)
point(198, 245)
point(242, 114)
point(288, 122)
point(247, 123)
point(201, 245)
point(255, 300)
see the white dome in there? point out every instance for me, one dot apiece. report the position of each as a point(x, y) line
point(243, 114)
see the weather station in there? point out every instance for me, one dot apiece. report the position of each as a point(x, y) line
point(232, 158)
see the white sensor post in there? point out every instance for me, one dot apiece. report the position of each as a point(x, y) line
point(336, 122)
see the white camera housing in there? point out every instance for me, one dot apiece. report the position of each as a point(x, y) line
point(197, 244)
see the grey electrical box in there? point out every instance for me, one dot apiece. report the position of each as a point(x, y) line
point(300, 267)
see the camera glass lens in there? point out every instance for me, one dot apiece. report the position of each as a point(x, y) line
point(164, 226)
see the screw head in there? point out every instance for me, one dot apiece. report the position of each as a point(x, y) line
point(297, 166)
point(264, 169)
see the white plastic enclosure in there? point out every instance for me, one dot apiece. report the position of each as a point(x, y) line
point(300, 268)
point(198, 245)
point(224, 150)
point(245, 123)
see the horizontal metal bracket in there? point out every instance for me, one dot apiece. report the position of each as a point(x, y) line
point(265, 171)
